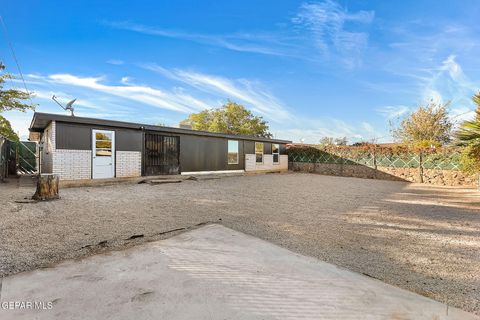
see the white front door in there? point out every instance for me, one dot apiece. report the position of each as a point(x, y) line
point(103, 153)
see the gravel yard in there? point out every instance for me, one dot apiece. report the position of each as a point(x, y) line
point(422, 238)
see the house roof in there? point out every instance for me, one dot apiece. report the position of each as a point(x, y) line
point(41, 120)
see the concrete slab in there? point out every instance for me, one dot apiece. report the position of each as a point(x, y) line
point(211, 273)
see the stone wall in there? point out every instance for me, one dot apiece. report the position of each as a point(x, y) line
point(429, 176)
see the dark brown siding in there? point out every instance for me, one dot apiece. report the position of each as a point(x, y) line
point(249, 147)
point(73, 136)
point(267, 148)
point(128, 140)
point(207, 154)
point(79, 137)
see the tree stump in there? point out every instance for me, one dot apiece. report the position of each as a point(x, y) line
point(47, 187)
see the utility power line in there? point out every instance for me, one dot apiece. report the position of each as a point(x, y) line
point(7, 38)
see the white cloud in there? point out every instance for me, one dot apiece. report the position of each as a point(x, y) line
point(125, 80)
point(453, 68)
point(64, 98)
point(448, 83)
point(258, 43)
point(393, 112)
point(258, 99)
point(432, 95)
point(140, 93)
point(368, 128)
point(443, 82)
point(328, 21)
point(311, 130)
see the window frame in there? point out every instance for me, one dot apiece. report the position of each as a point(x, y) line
point(228, 152)
point(276, 153)
point(263, 151)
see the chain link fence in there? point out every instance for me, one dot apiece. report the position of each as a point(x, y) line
point(439, 159)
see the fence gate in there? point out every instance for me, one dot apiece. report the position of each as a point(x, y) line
point(4, 157)
point(161, 154)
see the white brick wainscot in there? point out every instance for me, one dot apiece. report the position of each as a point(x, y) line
point(267, 164)
point(129, 164)
point(72, 164)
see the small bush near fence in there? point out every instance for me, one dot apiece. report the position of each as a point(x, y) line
point(377, 156)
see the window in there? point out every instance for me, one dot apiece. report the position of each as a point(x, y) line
point(275, 152)
point(259, 151)
point(103, 144)
point(232, 152)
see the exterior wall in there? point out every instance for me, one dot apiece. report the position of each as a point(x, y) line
point(198, 153)
point(72, 164)
point(71, 150)
point(72, 155)
point(267, 165)
point(430, 176)
point(249, 147)
point(128, 164)
point(75, 136)
point(48, 140)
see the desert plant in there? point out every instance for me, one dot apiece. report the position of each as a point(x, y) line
point(468, 135)
point(427, 126)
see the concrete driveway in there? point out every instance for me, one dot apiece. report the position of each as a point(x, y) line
point(210, 273)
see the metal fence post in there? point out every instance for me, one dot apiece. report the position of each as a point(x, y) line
point(420, 167)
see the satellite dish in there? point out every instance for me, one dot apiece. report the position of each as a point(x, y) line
point(68, 106)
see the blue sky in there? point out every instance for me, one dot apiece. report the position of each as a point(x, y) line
point(312, 69)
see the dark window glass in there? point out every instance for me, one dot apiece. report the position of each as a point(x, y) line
point(275, 152)
point(259, 151)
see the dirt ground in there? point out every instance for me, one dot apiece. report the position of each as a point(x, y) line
point(422, 238)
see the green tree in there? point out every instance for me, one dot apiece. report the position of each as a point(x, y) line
point(231, 118)
point(468, 135)
point(11, 99)
point(428, 125)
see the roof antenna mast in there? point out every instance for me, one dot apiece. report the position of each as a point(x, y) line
point(68, 106)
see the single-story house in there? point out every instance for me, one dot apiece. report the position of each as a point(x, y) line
point(88, 148)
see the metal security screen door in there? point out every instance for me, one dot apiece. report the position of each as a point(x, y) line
point(161, 154)
point(103, 154)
